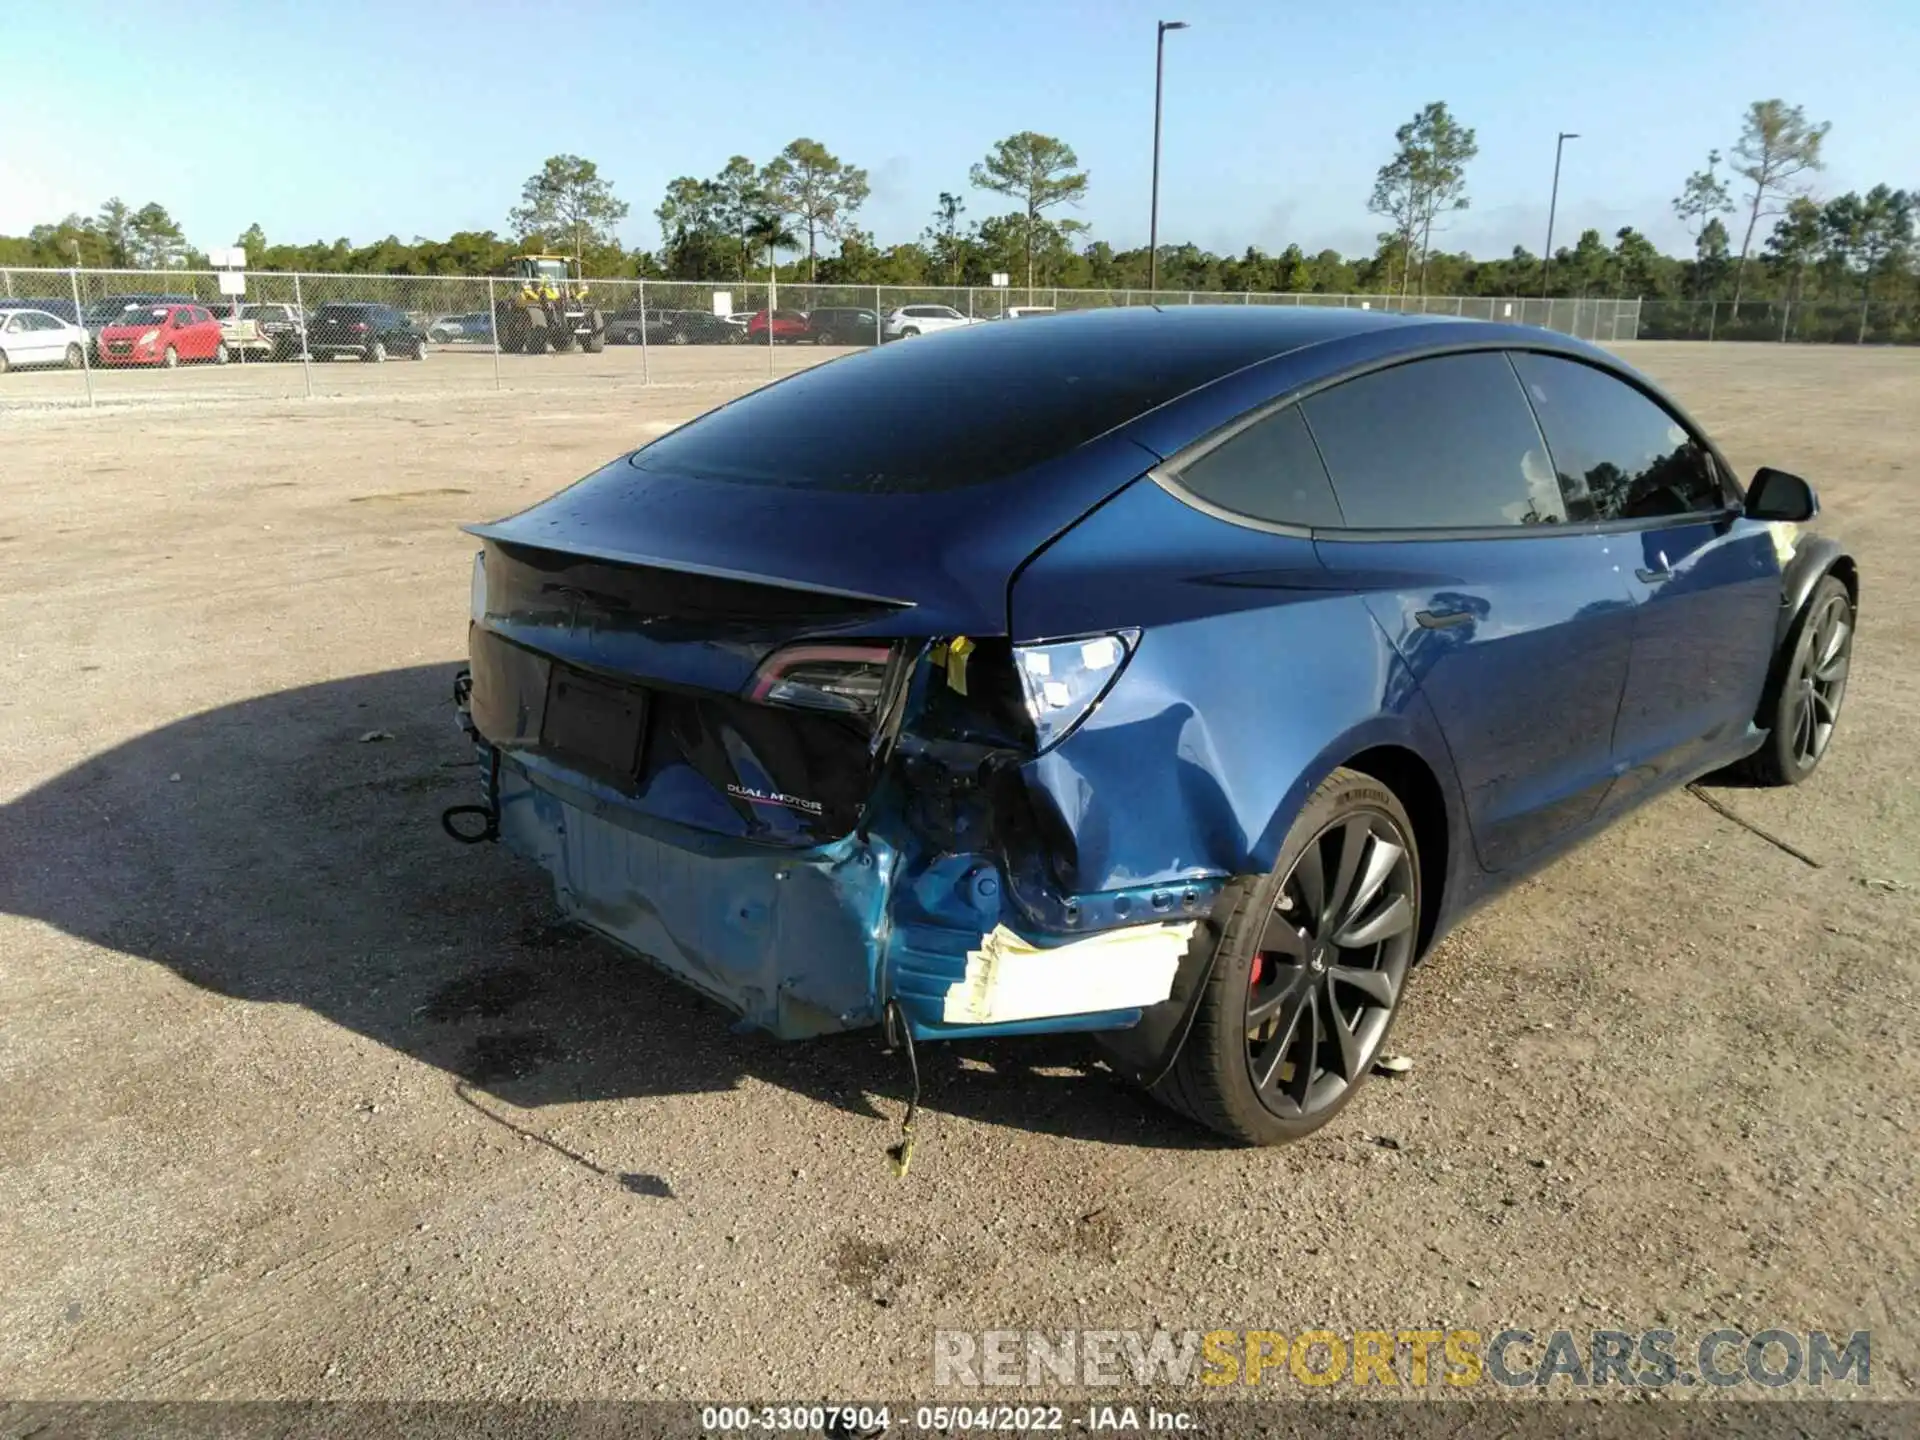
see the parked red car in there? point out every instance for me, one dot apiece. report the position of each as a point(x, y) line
point(163, 335)
point(789, 326)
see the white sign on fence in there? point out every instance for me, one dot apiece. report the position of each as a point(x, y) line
point(233, 282)
point(1002, 279)
point(228, 257)
point(723, 303)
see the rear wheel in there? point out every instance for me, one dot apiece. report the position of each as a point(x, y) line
point(825, 337)
point(221, 354)
point(171, 359)
point(75, 359)
point(909, 332)
point(1812, 687)
point(377, 353)
point(594, 341)
point(679, 337)
point(1309, 967)
point(5, 364)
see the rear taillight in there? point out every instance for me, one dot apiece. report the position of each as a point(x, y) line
point(847, 679)
point(359, 324)
point(1065, 680)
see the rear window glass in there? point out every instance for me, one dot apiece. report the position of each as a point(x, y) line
point(1269, 471)
point(972, 406)
point(1436, 444)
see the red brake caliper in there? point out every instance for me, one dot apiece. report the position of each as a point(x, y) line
point(1259, 972)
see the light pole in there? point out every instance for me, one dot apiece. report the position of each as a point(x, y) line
point(1153, 219)
point(1546, 260)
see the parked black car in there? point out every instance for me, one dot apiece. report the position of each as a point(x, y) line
point(52, 304)
point(669, 327)
point(848, 325)
point(369, 332)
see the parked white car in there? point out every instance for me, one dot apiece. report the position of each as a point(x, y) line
point(911, 320)
point(33, 337)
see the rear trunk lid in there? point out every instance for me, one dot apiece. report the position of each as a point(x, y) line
point(630, 624)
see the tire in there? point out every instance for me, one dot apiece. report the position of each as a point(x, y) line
point(171, 359)
point(376, 353)
point(1801, 709)
point(5, 364)
point(594, 342)
point(220, 353)
point(1264, 957)
point(679, 337)
point(909, 333)
point(825, 337)
point(76, 358)
point(419, 351)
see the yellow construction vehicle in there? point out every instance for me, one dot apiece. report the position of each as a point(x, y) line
point(548, 309)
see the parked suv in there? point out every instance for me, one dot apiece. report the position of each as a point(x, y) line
point(850, 325)
point(911, 320)
point(369, 332)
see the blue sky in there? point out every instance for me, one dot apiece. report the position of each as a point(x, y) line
point(334, 117)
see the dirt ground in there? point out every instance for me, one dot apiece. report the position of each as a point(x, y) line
point(298, 1098)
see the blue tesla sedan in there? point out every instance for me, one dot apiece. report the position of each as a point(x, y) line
point(1172, 675)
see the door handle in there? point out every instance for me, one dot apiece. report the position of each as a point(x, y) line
point(1443, 619)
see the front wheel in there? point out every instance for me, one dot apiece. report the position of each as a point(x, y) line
point(74, 358)
point(220, 353)
point(1813, 685)
point(171, 359)
point(1309, 966)
point(419, 350)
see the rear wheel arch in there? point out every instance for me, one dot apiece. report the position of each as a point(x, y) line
point(1417, 787)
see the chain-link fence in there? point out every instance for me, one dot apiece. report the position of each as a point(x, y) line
point(1822, 322)
point(125, 336)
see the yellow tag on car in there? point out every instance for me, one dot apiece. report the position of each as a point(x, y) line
point(1786, 535)
point(958, 649)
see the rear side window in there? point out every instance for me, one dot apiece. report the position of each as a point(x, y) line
point(1619, 454)
point(1269, 471)
point(1436, 444)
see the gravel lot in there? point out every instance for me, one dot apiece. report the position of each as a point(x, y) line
point(298, 1098)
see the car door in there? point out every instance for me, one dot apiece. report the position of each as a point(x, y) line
point(1706, 580)
point(1516, 627)
point(26, 343)
point(17, 343)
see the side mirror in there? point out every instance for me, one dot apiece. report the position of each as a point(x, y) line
point(1776, 495)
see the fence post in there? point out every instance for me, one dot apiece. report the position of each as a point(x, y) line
point(7, 276)
point(646, 372)
point(1786, 309)
point(306, 351)
point(772, 292)
point(1126, 299)
point(879, 321)
point(80, 319)
point(1713, 318)
point(493, 329)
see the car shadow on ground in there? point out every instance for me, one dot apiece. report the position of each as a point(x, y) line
point(287, 849)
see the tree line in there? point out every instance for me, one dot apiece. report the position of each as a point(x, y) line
point(803, 204)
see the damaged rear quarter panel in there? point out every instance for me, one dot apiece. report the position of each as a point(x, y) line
point(1253, 679)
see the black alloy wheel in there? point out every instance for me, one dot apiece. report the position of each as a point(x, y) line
point(1331, 961)
point(1309, 964)
point(1821, 678)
